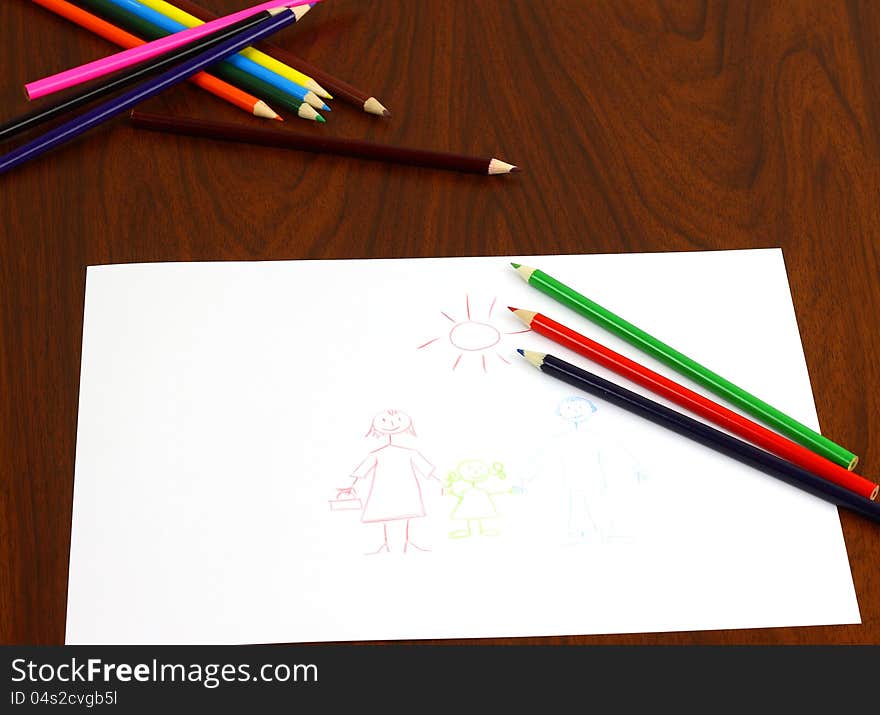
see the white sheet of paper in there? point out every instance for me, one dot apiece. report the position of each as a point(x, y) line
point(224, 405)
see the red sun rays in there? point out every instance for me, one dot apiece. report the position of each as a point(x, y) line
point(472, 335)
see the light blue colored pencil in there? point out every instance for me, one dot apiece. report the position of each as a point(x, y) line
point(148, 14)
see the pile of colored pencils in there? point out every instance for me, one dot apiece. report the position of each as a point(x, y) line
point(169, 42)
point(794, 453)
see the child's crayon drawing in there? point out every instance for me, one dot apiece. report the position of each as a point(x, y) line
point(473, 335)
point(595, 479)
point(474, 484)
point(386, 486)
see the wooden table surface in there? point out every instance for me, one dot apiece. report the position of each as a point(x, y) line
point(640, 126)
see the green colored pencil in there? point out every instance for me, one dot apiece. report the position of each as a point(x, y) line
point(264, 90)
point(687, 367)
point(139, 27)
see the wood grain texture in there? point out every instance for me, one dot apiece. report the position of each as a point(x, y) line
point(641, 126)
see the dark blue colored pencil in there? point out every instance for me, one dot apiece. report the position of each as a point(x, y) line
point(127, 77)
point(702, 433)
point(274, 20)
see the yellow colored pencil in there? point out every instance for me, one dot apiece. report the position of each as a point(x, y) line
point(116, 35)
point(261, 58)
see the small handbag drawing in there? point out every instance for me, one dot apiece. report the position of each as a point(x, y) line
point(346, 500)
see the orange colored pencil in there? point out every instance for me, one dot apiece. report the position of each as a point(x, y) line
point(223, 90)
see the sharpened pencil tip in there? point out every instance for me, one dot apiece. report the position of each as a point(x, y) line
point(524, 271)
point(496, 166)
point(374, 106)
point(320, 119)
point(536, 359)
point(525, 316)
point(317, 89)
point(279, 118)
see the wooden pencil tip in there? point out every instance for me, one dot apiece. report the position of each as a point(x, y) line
point(318, 89)
point(279, 118)
point(537, 359)
point(524, 316)
point(264, 111)
point(524, 271)
point(300, 10)
point(496, 166)
point(374, 106)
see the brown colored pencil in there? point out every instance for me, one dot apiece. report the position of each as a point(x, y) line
point(322, 145)
point(339, 89)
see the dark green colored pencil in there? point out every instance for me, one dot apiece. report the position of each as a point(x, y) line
point(224, 70)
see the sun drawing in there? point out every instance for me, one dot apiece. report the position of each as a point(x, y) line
point(473, 335)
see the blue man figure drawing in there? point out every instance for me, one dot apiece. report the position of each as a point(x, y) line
point(596, 478)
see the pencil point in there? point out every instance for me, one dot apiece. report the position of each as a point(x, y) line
point(300, 11)
point(307, 111)
point(525, 316)
point(261, 109)
point(314, 100)
point(320, 119)
point(537, 359)
point(524, 271)
point(374, 106)
point(511, 309)
point(279, 118)
point(496, 166)
point(318, 89)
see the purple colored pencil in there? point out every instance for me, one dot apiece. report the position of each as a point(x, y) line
point(141, 53)
point(276, 20)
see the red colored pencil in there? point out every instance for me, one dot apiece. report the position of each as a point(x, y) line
point(712, 411)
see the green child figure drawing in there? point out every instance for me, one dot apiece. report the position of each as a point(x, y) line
point(474, 502)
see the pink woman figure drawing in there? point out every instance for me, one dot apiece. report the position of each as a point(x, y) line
point(395, 493)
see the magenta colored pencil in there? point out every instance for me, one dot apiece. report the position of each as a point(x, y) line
point(121, 60)
point(276, 20)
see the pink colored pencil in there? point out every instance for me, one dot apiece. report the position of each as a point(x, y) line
point(121, 60)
